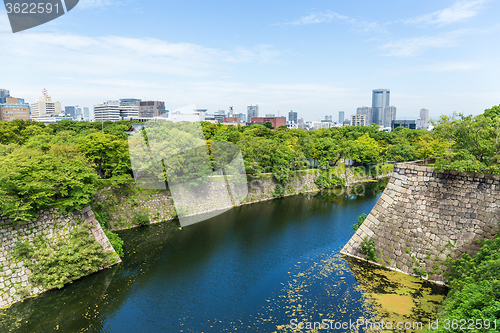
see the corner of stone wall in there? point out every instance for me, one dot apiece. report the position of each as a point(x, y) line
point(424, 218)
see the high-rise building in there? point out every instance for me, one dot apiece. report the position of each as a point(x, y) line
point(129, 108)
point(367, 112)
point(358, 120)
point(292, 117)
point(70, 111)
point(220, 115)
point(424, 115)
point(231, 112)
point(86, 114)
point(109, 110)
point(252, 112)
point(14, 109)
point(149, 109)
point(4, 93)
point(45, 107)
point(389, 115)
point(380, 100)
point(242, 116)
point(341, 117)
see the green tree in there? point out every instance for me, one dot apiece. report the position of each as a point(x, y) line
point(31, 180)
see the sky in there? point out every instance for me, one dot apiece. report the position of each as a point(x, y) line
point(313, 57)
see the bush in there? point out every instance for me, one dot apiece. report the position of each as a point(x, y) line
point(116, 242)
point(54, 265)
point(361, 219)
point(279, 191)
point(141, 219)
point(368, 248)
point(328, 180)
point(474, 287)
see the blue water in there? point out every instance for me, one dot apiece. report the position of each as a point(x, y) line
point(251, 269)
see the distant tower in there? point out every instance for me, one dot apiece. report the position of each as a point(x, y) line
point(424, 115)
point(231, 112)
point(368, 112)
point(252, 112)
point(292, 117)
point(380, 100)
point(341, 117)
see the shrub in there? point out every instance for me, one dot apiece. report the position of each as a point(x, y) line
point(361, 219)
point(279, 191)
point(328, 180)
point(115, 241)
point(368, 248)
point(54, 265)
point(141, 219)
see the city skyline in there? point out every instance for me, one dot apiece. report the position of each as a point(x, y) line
point(427, 54)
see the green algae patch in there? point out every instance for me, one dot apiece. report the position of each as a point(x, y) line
point(396, 297)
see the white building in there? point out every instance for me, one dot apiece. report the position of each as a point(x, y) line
point(45, 107)
point(109, 110)
point(358, 120)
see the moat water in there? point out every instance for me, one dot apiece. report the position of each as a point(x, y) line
point(264, 267)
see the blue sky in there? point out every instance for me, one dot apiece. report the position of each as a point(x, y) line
point(314, 57)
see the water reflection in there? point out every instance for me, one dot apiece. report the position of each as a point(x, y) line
point(252, 269)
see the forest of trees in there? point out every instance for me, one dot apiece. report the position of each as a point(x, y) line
point(61, 165)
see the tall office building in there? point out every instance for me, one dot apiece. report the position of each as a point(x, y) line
point(45, 107)
point(292, 117)
point(380, 100)
point(341, 117)
point(129, 108)
point(4, 93)
point(367, 112)
point(14, 108)
point(424, 115)
point(109, 110)
point(149, 109)
point(86, 114)
point(252, 112)
point(70, 111)
point(389, 115)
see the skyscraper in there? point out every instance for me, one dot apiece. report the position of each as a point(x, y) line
point(292, 117)
point(389, 115)
point(70, 111)
point(252, 112)
point(3, 95)
point(424, 115)
point(367, 112)
point(86, 114)
point(341, 117)
point(380, 100)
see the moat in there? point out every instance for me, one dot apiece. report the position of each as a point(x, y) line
point(254, 268)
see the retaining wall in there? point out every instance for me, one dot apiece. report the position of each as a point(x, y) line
point(50, 226)
point(424, 218)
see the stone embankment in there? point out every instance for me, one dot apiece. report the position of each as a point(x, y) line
point(48, 227)
point(425, 218)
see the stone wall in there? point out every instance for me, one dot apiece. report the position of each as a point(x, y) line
point(424, 218)
point(49, 226)
point(119, 206)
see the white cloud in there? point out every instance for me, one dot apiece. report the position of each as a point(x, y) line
point(329, 16)
point(415, 45)
point(459, 11)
